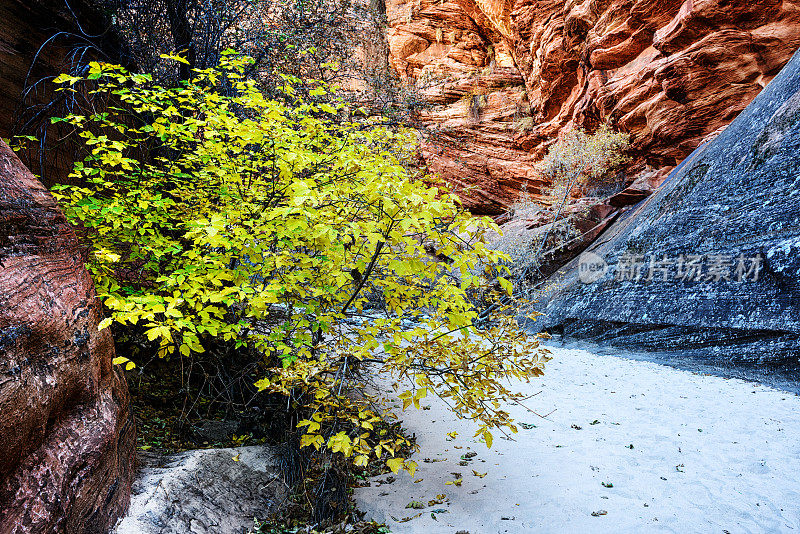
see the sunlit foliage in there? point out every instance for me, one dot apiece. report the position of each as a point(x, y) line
point(272, 224)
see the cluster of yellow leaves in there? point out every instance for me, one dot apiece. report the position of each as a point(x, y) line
point(268, 223)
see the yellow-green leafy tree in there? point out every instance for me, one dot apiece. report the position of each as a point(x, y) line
point(269, 224)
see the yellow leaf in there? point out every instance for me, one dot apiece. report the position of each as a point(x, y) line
point(395, 464)
point(487, 437)
point(105, 323)
point(152, 334)
point(308, 439)
point(174, 58)
point(506, 285)
point(411, 467)
point(236, 458)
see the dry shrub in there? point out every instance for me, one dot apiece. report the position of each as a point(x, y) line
point(577, 163)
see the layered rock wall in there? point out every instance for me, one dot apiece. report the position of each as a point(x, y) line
point(66, 436)
point(506, 76)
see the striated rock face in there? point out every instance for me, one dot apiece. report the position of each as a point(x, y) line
point(66, 436)
point(708, 266)
point(507, 75)
point(462, 66)
point(205, 492)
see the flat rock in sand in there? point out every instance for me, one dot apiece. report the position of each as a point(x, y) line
point(204, 491)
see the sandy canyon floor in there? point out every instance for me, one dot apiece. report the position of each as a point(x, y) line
point(632, 446)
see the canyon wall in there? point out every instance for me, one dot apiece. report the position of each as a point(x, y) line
point(39, 39)
point(66, 435)
point(708, 267)
point(504, 77)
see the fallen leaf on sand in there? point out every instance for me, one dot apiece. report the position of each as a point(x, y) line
point(599, 513)
point(479, 475)
point(438, 500)
point(407, 519)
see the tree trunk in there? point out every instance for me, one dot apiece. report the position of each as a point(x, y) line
point(182, 35)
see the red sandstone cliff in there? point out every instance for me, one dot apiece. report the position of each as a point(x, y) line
point(66, 435)
point(505, 76)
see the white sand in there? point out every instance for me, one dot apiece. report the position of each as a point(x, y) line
point(736, 445)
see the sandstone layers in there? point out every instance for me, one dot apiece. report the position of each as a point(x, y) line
point(506, 76)
point(66, 436)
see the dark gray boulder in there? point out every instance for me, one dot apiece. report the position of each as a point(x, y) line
point(733, 209)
